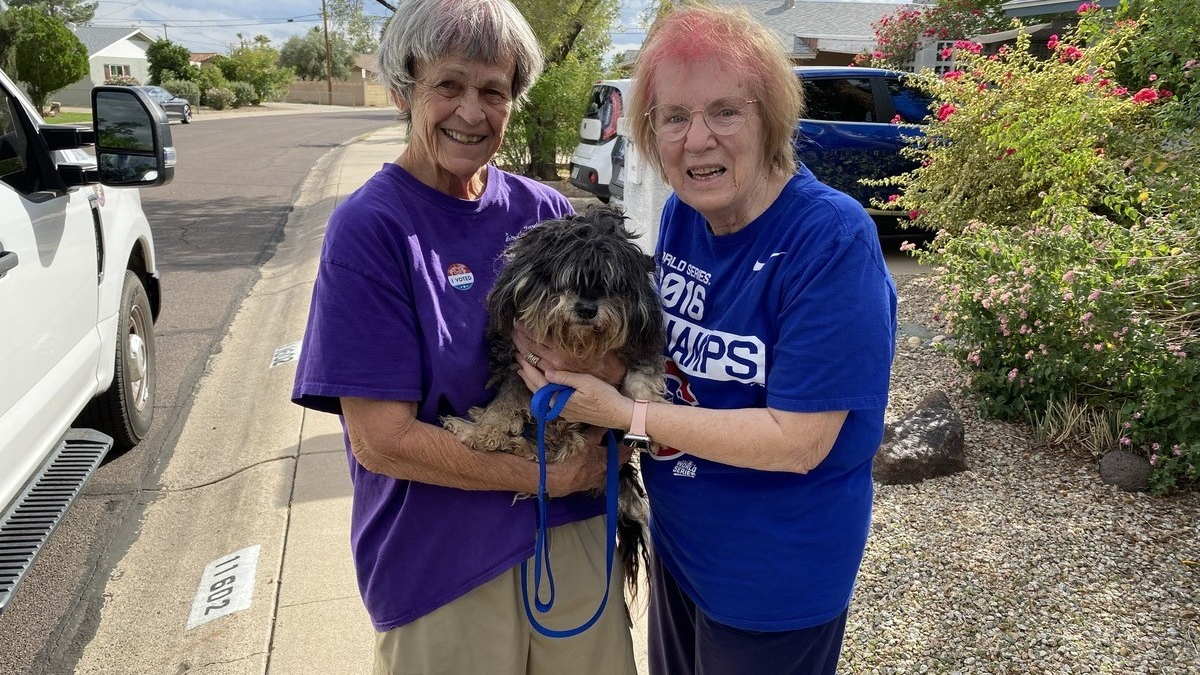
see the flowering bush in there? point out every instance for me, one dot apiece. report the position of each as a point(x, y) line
point(1068, 245)
point(123, 80)
point(1166, 51)
point(899, 35)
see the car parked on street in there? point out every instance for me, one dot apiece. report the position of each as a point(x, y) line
point(79, 295)
point(591, 164)
point(175, 107)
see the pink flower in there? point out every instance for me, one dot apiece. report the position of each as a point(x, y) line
point(1153, 460)
point(1086, 317)
point(945, 111)
point(1012, 374)
point(946, 54)
point(1052, 43)
point(1069, 276)
point(892, 198)
point(1119, 91)
point(1094, 294)
point(952, 74)
point(914, 214)
point(877, 54)
point(1087, 7)
point(1083, 79)
point(1125, 440)
point(1153, 77)
point(1145, 96)
point(1071, 53)
point(896, 119)
point(968, 46)
point(908, 246)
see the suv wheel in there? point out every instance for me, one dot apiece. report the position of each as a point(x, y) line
point(126, 410)
point(187, 115)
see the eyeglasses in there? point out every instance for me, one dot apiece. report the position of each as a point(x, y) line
point(724, 116)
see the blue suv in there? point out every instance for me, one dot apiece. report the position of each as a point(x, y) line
point(850, 131)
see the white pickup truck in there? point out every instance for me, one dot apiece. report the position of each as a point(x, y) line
point(79, 295)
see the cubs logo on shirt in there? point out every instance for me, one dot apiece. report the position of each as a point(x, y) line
point(460, 276)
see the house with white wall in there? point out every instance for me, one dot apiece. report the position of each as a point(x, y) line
point(111, 52)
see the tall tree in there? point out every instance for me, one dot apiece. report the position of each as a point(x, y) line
point(46, 54)
point(306, 55)
point(165, 55)
point(70, 11)
point(574, 37)
point(350, 19)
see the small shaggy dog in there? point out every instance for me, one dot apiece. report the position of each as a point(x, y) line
point(581, 285)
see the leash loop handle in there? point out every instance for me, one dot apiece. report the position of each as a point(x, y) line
point(547, 404)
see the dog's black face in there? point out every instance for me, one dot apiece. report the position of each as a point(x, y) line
point(582, 285)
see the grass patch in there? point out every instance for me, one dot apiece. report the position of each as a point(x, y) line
point(70, 117)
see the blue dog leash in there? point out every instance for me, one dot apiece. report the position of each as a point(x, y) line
point(548, 402)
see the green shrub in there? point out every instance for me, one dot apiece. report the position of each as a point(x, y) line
point(123, 81)
point(218, 98)
point(244, 94)
point(184, 89)
point(1068, 245)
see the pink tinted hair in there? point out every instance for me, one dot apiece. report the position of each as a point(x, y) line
point(732, 39)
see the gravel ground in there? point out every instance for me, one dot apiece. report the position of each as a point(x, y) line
point(1026, 563)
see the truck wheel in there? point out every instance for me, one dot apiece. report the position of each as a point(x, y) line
point(127, 408)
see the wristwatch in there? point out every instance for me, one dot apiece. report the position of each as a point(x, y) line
point(637, 438)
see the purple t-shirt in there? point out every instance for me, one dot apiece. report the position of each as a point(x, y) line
point(398, 314)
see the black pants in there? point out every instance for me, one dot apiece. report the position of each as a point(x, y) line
point(683, 641)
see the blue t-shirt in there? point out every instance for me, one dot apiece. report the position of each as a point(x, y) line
point(398, 314)
point(795, 312)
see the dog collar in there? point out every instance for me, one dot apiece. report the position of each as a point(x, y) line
point(637, 438)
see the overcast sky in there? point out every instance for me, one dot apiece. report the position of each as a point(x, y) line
point(213, 25)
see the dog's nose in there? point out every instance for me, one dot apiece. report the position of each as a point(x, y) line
point(585, 309)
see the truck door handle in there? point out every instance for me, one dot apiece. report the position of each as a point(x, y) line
point(8, 260)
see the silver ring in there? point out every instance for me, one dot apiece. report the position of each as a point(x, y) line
point(532, 359)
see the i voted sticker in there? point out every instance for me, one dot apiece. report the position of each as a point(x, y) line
point(460, 276)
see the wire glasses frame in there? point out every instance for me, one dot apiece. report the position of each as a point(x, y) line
point(724, 116)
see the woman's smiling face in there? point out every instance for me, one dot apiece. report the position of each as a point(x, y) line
point(460, 110)
point(722, 177)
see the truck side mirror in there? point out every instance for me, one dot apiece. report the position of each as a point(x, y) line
point(133, 138)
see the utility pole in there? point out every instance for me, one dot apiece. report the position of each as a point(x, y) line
point(328, 59)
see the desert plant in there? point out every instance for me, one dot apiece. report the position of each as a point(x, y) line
point(243, 94)
point(184, 89)
point(1068, 245)
point(218, 98)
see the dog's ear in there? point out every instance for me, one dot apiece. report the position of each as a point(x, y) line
point(648, 261)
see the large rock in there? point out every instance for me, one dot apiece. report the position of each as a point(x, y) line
point(1125, 470)
point(925, 443)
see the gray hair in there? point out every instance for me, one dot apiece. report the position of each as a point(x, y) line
point(424, 31)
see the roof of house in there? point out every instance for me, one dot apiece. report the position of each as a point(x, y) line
point(365, 62)
point(95, 38)
point(1039, 7)
point(201, 57)
point(807, 26)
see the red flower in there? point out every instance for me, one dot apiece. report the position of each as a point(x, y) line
point(912, 215)
point(896, 119)
point(946, 54)
point(892, 198)
point(945, 111)
point(1052, 43)
point(952, 74)
point(1071, 53)
point(1087, 7)
point(968, 46)
point(1145, 96)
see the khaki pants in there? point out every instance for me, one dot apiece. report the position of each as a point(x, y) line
point(486, 632)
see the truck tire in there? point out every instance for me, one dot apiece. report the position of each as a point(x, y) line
point(126, 410)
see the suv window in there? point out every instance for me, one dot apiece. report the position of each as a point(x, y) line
point(910, 103)
point(843, 99)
